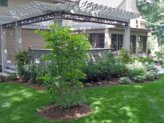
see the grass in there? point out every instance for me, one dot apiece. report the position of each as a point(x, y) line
point(139, 103)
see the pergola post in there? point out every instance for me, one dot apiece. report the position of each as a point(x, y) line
point(18, 38)
point(137, 44)
point(126, 40)
point(3, 48)
point(107, 39)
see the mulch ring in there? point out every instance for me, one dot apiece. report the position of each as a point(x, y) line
point(54, 112)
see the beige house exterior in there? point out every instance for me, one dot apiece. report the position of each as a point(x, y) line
point(101, 36)
point(29, 38)
point(113, 37)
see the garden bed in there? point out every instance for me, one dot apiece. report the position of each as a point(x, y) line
point(112, 82)
point(57, 113)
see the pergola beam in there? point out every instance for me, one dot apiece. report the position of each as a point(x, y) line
point(64, 15)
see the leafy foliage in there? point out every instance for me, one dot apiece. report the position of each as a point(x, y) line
point(150, 67)
point(22, 58)
point(150, 76)
point(139, 78)
point(136, 69)
point(153, 12)
point(104, 69)
point(66, 60)
point(145, 59)
point(125, 80)
point(160, 56)
point(125, 55)
point(12, 77)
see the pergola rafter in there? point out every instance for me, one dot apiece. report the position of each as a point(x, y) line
point(34, 12)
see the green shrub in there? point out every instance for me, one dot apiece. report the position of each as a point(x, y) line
point(42, 70)
point(67, 58)
point(135, 69)
point(139, 78)
point(125, 55)
point(160, 57)
point(31, 72)
point(149, 76)
point(112, 66)
point(145, 60)
point(125, 80)
point(155, 73)
point(105, 69)
point(93, 72)
point(119, 69)
point(150, 67)
point(22, 58)
point(12, 77)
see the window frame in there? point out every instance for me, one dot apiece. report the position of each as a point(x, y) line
point(117, 41)
point(99, 43)
point(133, 46)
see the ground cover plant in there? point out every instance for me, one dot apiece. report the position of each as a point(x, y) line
point(137, 103)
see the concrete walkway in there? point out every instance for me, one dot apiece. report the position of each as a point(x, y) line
point(161, 70)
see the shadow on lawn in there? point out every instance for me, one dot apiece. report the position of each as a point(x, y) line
point(120, 104)
point(18, 102)
point(112, 111)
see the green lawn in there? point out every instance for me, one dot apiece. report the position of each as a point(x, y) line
point(140, 103)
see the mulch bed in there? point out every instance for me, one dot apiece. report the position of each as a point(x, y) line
point(54, 112)
point(112, 82)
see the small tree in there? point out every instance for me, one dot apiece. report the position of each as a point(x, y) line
point(67, 57)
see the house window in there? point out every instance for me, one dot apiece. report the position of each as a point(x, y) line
point(117, 42)
point(143, 44)
point(3, 2)
point(133, 43)
point(97, 40)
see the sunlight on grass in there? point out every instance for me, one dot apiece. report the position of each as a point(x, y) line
point(6, 105)
point(140, 103)
point(130, 113)
point(138, 86)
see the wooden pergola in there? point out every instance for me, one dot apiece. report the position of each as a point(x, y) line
point(84, 11)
